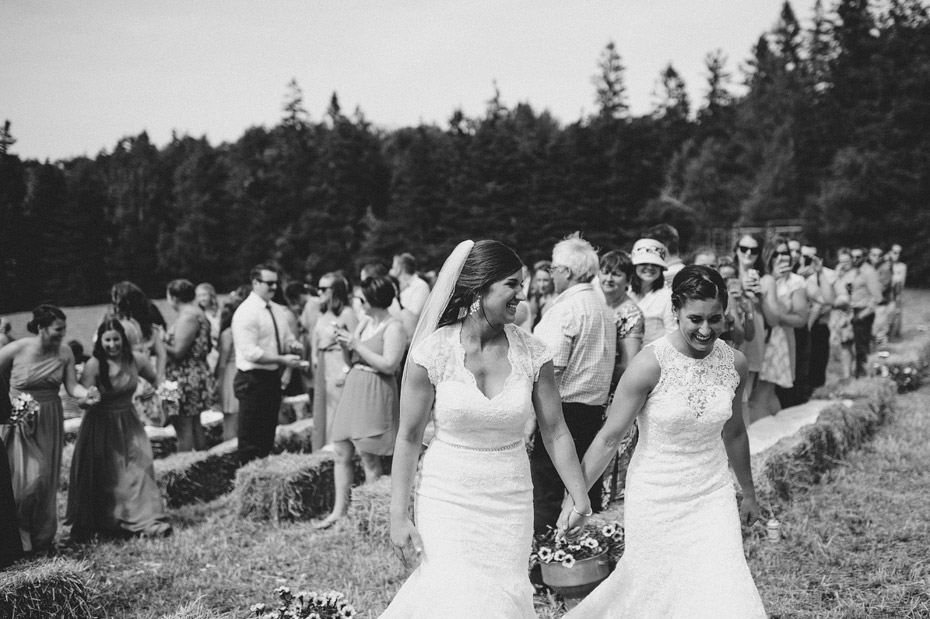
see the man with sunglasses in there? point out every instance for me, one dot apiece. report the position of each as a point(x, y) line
point(864, 297)
point(264, 344)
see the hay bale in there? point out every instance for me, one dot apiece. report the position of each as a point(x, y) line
point(294, 437)
point(212, 422)
point(288, 487)
point(370, 510)
point(51, 588)
point(195, 476)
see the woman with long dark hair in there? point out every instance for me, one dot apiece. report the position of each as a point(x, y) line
point(684, 551)
point(482, 377)
point(112, 489)
point(329, 367)
point(38, 366)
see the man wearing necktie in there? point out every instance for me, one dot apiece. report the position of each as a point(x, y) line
point(263, 342)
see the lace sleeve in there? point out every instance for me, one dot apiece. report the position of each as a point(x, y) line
point(533, 353)
point(432, 354)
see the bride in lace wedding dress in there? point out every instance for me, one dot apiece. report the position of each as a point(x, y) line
point(483, 378)
point(684, 552)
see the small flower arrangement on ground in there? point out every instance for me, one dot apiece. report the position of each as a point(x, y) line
point(592, 540)
point(908, 377)
point(305, 605)
point(169, 393)
point(24, 411)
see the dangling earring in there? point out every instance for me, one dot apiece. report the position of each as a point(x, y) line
point(475, 306)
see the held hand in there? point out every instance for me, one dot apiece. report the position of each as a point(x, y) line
point(408, 545)
point(572, 518)
point(749, 511)
point(291, 361)
point(93, 396)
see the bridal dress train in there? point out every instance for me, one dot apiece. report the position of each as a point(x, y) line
point(474, 500)
point(684, 550)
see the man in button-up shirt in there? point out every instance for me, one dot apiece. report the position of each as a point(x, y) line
point(864, 297)
point(263, 341)
point(580, 332)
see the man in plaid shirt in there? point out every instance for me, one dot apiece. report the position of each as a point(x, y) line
point(580, 332)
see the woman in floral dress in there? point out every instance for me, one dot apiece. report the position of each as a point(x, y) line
point(188, 346)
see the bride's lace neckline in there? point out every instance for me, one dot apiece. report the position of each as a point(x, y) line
point(460, 356)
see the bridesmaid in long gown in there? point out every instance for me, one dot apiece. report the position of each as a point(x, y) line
point(112, 488)
point(38, 365)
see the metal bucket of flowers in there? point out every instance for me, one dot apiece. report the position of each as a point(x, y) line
point(574, 566)
point(305, 605)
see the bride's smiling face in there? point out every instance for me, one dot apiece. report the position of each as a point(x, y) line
point(499, 303)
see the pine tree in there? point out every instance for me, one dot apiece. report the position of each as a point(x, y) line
point(610, 84)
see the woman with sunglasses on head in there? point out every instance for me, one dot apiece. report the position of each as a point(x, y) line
point(329, 367)
point(785, 307)
point(747, 255)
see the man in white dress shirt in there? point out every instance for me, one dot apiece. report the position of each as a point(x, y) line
point(580, 331)
point(263, 342)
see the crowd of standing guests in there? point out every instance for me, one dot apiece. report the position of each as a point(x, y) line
point(345, 345)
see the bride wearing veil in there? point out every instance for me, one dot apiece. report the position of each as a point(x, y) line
point(482, 378)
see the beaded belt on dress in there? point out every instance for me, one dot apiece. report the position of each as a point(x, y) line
point(501, 448)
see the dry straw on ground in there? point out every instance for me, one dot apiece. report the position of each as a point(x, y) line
point(49, 588)
point(196, 610)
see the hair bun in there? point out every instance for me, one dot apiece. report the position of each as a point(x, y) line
point(32, 327)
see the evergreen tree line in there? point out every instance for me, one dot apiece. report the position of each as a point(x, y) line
point(831, 127)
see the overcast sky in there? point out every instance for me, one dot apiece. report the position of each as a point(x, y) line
point(77, 75)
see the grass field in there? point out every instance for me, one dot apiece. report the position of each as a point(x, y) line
point(854, 547)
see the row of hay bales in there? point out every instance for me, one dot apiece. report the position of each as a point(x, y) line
point(798, 462)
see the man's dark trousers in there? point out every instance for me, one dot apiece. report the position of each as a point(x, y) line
point(259, 394)
point(583, 421)
point(862, 340)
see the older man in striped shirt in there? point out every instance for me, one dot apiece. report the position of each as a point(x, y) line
point(580, 331)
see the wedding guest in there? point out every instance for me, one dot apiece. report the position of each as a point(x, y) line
point(367, 416)
point(541, 291)
point(479, 377)
point(747, 256)
point(842, 335)
point(740, 319)
point(262, 340)
point(794, 252)
point(329, 366)
point(413, 290)
point(668, 236)
point(821, 283)
point(5, 328)
point(579, 329)
point(684, 553)
point(209, 303)
point(226, 372)
point(706, 256)
point(800, 390)
point(784, 305)
point(11, 547)
point(899, 279)
point(188, 344)
point(884, 310)
point(864, 296)
point(38, 366)
point(112, 489)
point(614, 277)
point(70, 405)
point(648, 289)
point(296, 382)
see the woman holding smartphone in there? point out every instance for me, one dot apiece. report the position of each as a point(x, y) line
point(785, 307)
point(749, 266)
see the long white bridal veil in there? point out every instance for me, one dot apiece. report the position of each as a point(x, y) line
point(438, 298)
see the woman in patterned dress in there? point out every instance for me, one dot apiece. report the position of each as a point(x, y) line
point(188, 346)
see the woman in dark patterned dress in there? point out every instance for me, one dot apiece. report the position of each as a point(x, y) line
point(188, 346)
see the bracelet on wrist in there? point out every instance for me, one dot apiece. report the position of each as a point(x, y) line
point(589, 513)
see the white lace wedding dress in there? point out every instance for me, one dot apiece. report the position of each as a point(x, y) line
point(474, 500)
point(684, 551)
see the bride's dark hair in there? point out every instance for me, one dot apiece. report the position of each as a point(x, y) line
point(698, 283)
point(487, 262)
